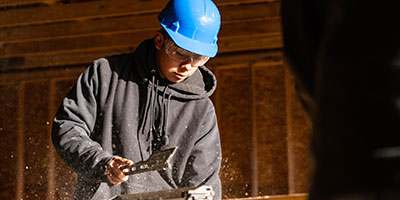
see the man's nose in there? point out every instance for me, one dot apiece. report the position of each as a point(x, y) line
point(187, 66)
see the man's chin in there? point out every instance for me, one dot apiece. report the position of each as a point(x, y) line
point(176, 79)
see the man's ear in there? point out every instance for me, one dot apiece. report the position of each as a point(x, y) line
point(158, 40)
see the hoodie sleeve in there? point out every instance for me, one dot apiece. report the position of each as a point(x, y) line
point(74, 123)
point(204, 162)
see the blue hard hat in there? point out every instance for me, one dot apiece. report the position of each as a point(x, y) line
point(193, 25)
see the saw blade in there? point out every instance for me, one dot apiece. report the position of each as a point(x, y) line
point(157, 161)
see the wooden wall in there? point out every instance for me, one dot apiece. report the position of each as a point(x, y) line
point(45, 44)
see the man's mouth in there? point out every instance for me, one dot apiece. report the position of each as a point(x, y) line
point(180, 75)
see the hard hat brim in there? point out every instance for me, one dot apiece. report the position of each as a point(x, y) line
point(194, 46)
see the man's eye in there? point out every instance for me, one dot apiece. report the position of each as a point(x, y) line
point(179, 54)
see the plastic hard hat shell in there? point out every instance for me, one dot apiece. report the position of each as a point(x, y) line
point(193, 25)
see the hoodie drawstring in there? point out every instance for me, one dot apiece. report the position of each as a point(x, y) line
point(153, 99)
point(165, 125)
point(164, 122)
point(158, 129)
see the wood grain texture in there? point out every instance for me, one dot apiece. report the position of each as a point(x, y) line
point(36, 143)
point(24, 3)
point(230, 14)
point(298, 140)
point(65, 178)
point(8, 140)
point(84, 10)
point(235, 125)
point(271, 130)
point(238, 41)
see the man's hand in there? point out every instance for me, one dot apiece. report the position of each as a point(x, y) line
point(113, 171)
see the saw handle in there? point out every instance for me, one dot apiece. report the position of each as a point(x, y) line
point(136, 168)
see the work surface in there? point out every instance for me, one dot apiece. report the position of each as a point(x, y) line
point(277, 197)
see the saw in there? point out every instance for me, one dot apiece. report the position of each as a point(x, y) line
point(195, 193)
point(157, 161)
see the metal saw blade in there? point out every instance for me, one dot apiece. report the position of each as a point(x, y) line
point(157, 161)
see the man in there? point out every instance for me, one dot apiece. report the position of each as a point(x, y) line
point(123, 108)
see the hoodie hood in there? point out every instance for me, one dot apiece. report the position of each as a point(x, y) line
point(198, 86)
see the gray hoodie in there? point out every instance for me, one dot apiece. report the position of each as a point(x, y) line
point(120, 107)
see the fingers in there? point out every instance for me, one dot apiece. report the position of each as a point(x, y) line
point(113, 171)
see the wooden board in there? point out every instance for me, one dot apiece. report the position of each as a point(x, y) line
point(230, 14)
point(82, 10)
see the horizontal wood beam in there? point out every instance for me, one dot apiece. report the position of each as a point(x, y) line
point(76, 11)
point(21, 3)
point(118, 38)
point(85, 56)
point(252, 42)
point(80, 61)
point(34, 75)
point(64, 45)
point(230, 14)
point(90, 10)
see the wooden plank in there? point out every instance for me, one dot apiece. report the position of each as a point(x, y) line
point(90, 10)
point(84, 58)
point(20, 139)
point(8, 140)
point(83, 51)
point(235, 125)
point(227, 45)
point(63, 175)
point(270, 119)
point(78, 28)
point(251, 42)
point(230, 14)
point(298, 131)
point(13, 3)
point(74, 44)
point(277, 197)
point(66, 59)
point(21, 3)
point(258, 26)
point(68, 44)
point(254, 136)
point(249, 11)
point(76, 11)
point(34, 75)
point(36, 125)
point(221, 61)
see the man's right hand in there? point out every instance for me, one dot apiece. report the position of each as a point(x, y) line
point(113, 171)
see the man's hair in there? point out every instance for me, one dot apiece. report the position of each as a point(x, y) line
point(164, 34)
point(167, 38)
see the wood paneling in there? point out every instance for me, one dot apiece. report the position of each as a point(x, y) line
point(298, 143)
point(89, 10)
point(130, 22)
point(235, 123)
point(36, 140)
point(238, 88)
point(65, 178)
point(21, 3)
point(270, 119)
point(132, 39)
point(8, 140)
point(45, 44)
point(76, 11)
point(74, 36)
point(52, 54)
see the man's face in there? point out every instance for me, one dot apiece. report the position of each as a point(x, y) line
point(174, 63)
